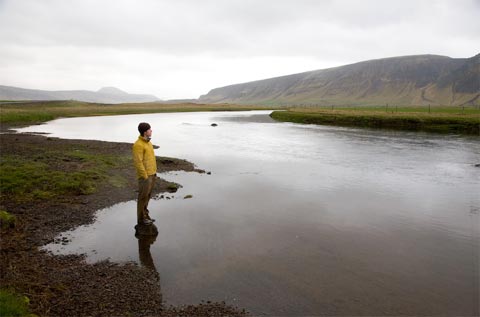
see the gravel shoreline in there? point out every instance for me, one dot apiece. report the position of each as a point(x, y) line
point(67, 285)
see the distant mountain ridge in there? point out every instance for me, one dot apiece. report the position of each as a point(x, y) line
point(407, 80)
point(104, 95)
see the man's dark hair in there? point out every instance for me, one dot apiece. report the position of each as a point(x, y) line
point(142, 127)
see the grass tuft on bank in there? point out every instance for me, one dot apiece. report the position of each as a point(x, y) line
point(14, 305)
point(7, 220)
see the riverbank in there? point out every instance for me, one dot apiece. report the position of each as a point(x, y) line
point(29, 112)
point(52, 185)
point(439, 122)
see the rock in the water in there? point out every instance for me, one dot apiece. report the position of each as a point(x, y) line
point(214, 124)
point(477, 165)
point(146, 230)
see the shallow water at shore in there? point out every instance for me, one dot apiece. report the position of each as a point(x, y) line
point(299, 220)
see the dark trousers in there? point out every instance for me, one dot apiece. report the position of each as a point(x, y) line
point(145, 187)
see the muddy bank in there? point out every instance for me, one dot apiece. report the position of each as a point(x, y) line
point(66, 285)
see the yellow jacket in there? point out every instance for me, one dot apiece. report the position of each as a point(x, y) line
point(144, 158)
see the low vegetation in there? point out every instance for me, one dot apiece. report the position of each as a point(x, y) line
point(7, 220)
point(461, 120)
point(13, 305)
point(56, 174)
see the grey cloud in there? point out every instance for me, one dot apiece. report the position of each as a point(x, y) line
point(225, 27)
point(127, 37)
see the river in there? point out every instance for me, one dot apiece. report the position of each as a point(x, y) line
point(298, 219)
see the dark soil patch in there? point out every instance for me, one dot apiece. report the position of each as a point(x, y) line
point(67, 285)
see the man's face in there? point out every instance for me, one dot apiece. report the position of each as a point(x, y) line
point(148, 133)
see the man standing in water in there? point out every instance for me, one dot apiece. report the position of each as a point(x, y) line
point(146, 166)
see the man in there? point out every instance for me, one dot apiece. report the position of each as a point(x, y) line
point(146, 166)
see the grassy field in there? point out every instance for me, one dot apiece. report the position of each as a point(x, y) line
point(28, 178)
point(464, 120)
point(461, 120)
point(405, 109)
point(20, 113)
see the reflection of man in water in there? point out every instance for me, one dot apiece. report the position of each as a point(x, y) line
point(146, 260)
point(146, 166)
point(144, 243)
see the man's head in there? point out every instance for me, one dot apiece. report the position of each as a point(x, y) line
point(145, 129)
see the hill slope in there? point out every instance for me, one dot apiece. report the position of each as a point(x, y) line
point(104, 95)
point(408, 80)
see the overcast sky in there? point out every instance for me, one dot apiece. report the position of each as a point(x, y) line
point(183, 48)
